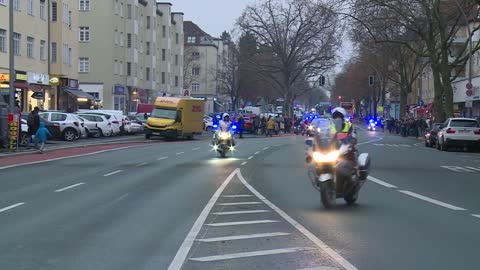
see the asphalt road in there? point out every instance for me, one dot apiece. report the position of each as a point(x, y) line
point(178, 206)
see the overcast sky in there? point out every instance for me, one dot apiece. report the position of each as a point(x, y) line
point(216, 16)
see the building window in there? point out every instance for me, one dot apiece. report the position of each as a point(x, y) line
point(121, 39)
point(30, 7)
point(3, 40)
point(129, 69)
point(147, 44)
point(176, 59)
point(43, 10)
point(191, 39)
point(116, 37)
point(65, 53)
point(195, 87)
point(129, 40)
point(42, 50)
point(176, 81)
point(17, 38)
point(195, 71)
point(84, 5)
point(177, 38)
point(163, 77)
point(84, 34)
point(54, 52)
point(164, 31)
point(121, 68)
point(115, 67)
point(16, 5)
point(65, 13)
point(121, 10)
point(115, 7)
point(148, 22)
point(147, 74)
point(164, 54)
point(129, 11)
point(84, 64)
point(54, 11)
point(69, 57)
point(3, 2)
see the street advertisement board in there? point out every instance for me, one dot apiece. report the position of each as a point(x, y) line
point(13, 129)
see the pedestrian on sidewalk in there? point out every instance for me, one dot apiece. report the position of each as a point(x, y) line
point(33, 124)
point(41, 136)
point(270, 127)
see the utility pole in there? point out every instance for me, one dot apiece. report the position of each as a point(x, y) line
point(11, 60)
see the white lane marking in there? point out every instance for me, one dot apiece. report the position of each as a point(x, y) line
point(371, 141)
point(321, 268)
point(337, 257)
point(473, 168)
point(69, 187)
point(238, 203)
point(247, 222)
point(430, 200)
point(378, 144)
point(237, 196)
point(250, 157)
point(61, 158)
point(380, 182)
point(142, 164)
point(162, 158)
point(180, 153)
point(241, 212)
point(11, 207)
point(182, 252)
point(112, 173)
point(241, 237)
point(195, 149)
point(256, 153)
point(266, 148)
point(406, 145)
point(250, 254)
point(456, 168)
point(243, 163)
point(474, 215)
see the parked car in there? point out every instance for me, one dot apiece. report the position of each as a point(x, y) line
point(115, 122)
point(131, 127)
point(208, 123)
point(54, 129)
point(431, 135)
point(70, 126)
point(117, 113)
point(103, 124)
point(90, 126)
point(459, 132)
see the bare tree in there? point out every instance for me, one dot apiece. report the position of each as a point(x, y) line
point(191, 55)
point(297, 38)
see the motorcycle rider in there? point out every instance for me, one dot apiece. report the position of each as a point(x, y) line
point(225, 126)
point(341, 127)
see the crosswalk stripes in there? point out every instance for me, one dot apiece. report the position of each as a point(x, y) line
point(463, 169)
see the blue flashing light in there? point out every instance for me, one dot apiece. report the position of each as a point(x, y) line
point(215, 126)
point(234, 127)
point(371, 120)
point(376, 123)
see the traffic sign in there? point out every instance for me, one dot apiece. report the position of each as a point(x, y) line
point(469, 92)
point(186, 93)
point(469, 86)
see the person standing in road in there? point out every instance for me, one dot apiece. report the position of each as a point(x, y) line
point(41, 136)
point(33, 123)
point(241, 125)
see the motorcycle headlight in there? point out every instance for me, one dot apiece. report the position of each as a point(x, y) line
point(224, 135)
point(329, 157)
point(310, 127)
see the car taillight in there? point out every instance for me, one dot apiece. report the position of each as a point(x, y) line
point(115, 122)
point(76, 124)
point(477, 132)
point(451, 131)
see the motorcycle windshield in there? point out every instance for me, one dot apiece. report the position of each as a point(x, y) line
point(323, 135)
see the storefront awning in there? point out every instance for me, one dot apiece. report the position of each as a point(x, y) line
point(38, 87)
point(79, 93)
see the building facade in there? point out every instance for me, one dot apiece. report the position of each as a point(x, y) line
point(128, 58)
point(38, 65)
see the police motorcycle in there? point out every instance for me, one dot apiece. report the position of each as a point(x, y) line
point(335, 168)
point(372, 125)
point(223, 140)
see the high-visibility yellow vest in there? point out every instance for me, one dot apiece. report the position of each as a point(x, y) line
point(345, 129)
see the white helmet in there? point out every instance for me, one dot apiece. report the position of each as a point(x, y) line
point(225, 115)
point(340, 110)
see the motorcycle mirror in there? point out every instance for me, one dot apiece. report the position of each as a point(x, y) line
point(309, 142)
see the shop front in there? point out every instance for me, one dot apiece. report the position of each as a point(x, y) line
point(71, 98)
point(21, 88)
point(137, 96)
point(119, 97)
point(39, 93)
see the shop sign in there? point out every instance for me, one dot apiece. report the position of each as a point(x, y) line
point(12, 132)
point(21, 76)
point(4, 77)
point(37, 78)
point(119, 90)
point(54, 80)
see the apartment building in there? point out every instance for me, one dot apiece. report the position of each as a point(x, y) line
point(127, 59)
point(35, 59)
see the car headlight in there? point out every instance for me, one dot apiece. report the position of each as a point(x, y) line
point(329, 157)
point(225, 135)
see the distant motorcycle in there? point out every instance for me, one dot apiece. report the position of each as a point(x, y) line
point(336, 172)
point(372, 126)
point(223, 143)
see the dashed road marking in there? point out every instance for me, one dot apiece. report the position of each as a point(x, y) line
point(246, 222)
point(256, 153)
point(392, 145)
point(250, 157)
point(180, 153)
point(162, 158)
point(474, 215)
point(467, 169)
point(251, 254)
point(242, 237)
point(240, 212)
point(142, 164)
point(243, 163)
point(266, 148)
point(238, 203)
point(11, 207)
point(380, 182)
point(69, 187)
point(112, 173)
point(430, 200)
point(195, 149)
point(321, 268)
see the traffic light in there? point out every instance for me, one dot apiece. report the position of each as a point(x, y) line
point(339, 97)
point(321, 80)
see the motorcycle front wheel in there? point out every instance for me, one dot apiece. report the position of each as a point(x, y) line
point(327, 194)
point(351, 198)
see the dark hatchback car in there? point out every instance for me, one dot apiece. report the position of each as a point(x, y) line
point(431, 136)
point(54, 129)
